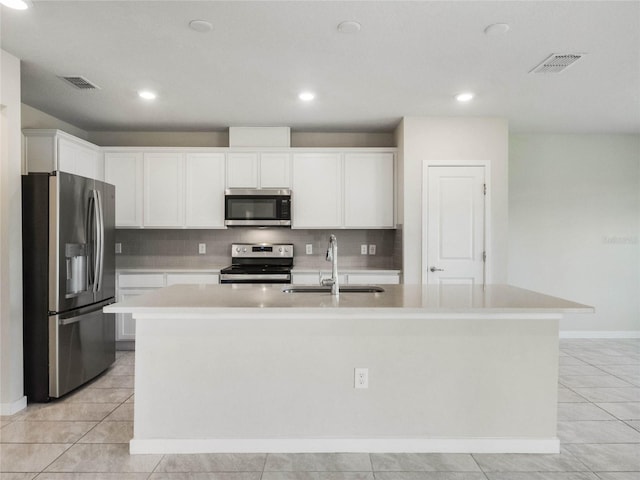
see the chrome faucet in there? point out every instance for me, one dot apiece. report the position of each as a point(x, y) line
point(332, 256)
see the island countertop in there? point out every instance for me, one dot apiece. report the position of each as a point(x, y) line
point(405, 299)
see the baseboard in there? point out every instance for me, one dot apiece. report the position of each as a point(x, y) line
point(599, 334)
point(369, 445)
point(13, 407)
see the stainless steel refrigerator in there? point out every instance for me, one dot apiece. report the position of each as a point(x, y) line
point(68, 231)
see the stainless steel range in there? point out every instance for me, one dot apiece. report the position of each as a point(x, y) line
point(259, 263)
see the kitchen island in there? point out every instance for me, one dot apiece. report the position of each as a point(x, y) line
point(249, 368)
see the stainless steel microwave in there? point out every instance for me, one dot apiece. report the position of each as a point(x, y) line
point(257, 207)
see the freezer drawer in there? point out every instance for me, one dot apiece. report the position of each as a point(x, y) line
point(81, 346)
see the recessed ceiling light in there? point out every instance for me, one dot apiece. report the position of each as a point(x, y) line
point(464, 96)
point(497, 29)
point(17, 4)
point(349, 27)
point(147, 95)
point(307, 96)
point(201, 26)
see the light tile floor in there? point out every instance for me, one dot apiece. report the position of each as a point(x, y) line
point(85, 436)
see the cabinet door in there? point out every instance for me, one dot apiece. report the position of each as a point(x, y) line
point(124, 170)
point(274, 170)
point(79, 159)
point(163, 190)
point(125, 324)
point(305, 278)
point(368, 190)
point(373, 278)
point(317, 190)
point(192, 278)
point(204, 193)
point(242, 170)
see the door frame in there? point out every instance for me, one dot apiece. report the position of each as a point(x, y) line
point(425, 210)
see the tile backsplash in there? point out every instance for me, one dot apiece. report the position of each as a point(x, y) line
point(145, 248)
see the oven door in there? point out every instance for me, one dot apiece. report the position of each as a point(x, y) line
point(257, 208)
point(255, 278)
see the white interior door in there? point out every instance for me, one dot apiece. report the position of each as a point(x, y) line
point(455, 225)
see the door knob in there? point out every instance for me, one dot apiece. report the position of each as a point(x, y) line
point(435, 269)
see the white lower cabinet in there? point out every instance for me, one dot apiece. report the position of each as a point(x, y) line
point(391, 277)
point(132, 284)
point(125, 324)
point(191, 278)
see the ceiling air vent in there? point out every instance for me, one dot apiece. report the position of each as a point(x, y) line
point(557, 62)
point(80, 82)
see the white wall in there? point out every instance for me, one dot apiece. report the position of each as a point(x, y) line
point(11, 368)
point(34, 118)
point(221, 139)
point(574, 224)
point(454, 139)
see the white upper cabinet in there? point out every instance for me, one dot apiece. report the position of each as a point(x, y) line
point(275, 170)
point(343, 189)
point(317, 190)
point(368, 190)
point(163, 189)
point(204, 192)
point(124, 170)
point(242, 170)
point(258, 170)
point(55, 150)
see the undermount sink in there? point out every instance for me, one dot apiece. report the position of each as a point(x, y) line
point(343, 289)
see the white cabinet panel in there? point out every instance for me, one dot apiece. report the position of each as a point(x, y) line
point(125, 323)
point(317, 190)
point(275, 170)
point(124, 170)
point(204, 192)
point(140, 280)
point(79, 159)
point(368, 190)
point(48, 150)
point(242, 170)
point(163, 190)
point(305, 278)
point(192, 278)
point(373, 278)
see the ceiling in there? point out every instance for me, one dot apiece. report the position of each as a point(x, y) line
point(409, 59)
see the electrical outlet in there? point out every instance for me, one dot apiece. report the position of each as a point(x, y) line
point(309, 248)
point(372, 249)
point(118, 248)
point(361, 378)
point(363, 249)
point(202, 248)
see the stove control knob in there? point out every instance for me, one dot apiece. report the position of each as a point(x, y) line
point(280, 249)
point(238, 249)
point(244, 250)
point(286, 250)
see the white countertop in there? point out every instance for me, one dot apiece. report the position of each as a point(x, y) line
point(396, 299)
point(213, 270)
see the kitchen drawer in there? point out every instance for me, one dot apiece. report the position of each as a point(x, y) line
point(191, 278)
point(141, 280)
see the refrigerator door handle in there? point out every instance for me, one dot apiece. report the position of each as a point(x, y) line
point(94, 206)
point(100, 259)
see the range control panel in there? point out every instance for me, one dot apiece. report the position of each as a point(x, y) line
point(262, 250)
